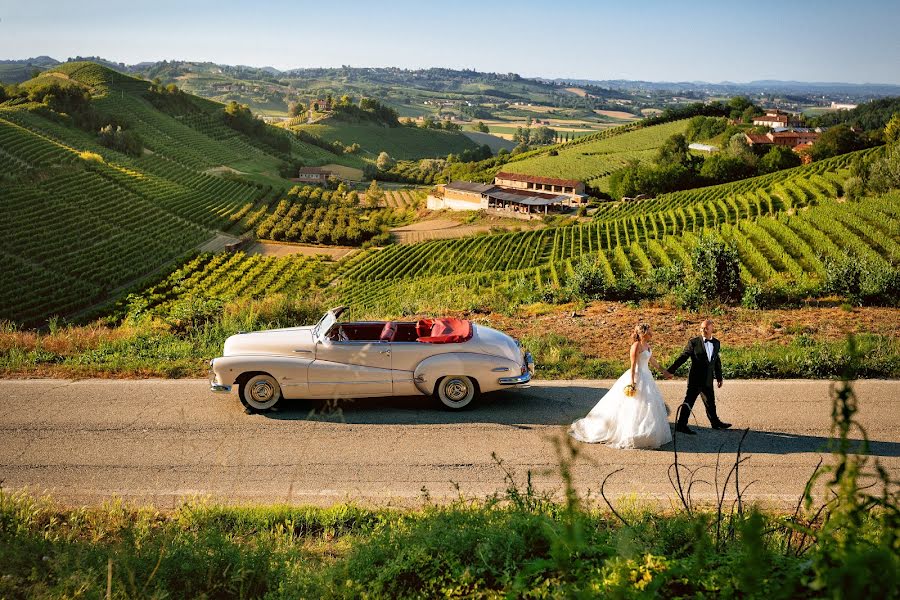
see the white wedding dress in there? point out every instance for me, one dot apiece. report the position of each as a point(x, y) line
point(620, 421)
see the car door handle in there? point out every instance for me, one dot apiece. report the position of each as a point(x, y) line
point(298, 350)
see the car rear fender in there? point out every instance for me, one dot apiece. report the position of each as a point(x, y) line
point(484, 368)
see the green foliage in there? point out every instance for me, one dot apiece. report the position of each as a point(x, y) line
point(705, 128)
point(712, 276)
point(836, 140)
point(778, 158)
point(863, 281)
point(121, 140)
point(238, 117)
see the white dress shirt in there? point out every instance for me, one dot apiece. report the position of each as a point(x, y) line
point(708, 345)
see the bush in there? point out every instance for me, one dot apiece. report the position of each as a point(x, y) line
point(713, 276)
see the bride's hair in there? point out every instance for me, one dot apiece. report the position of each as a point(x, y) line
point(640, 330)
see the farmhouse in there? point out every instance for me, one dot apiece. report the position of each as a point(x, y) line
point(772, 118)
point(510, 192)
point(313, 175)
point(790, 139)
point(570, 187)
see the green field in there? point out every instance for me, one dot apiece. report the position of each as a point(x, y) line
point(402, 143)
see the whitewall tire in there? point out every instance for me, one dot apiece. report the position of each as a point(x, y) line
point(260, 392)
point(456, 391)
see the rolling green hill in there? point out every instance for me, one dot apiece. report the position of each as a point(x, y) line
point(82, 221)
point(402, 143)
point(593, 160)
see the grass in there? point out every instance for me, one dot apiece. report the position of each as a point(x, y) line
point(401, 143)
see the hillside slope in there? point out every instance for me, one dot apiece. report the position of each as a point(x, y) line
point(82, 219)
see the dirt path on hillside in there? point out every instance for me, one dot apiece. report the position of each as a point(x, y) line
point(279, 249)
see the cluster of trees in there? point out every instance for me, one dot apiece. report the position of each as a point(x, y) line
point(871, 117)
point(63, 101)
point(879, 173)
point(432, 170)
point(534, 136)
point(675, 168)
point(240, 118)
point(169, 99)
point(430, 123)
point(368, 109)
point(122, 140)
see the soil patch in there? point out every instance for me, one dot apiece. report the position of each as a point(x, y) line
point(602, 329)
point(285, 249)
point(222, 170)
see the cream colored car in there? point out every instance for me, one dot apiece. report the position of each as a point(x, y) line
point(452, 360)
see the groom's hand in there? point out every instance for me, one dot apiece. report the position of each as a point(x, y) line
point(719, 383)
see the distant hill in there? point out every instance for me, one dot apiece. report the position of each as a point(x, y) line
point(17, 71)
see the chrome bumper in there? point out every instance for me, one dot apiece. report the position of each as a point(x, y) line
point(525, 377)
point(215, 386)
point(521, 379)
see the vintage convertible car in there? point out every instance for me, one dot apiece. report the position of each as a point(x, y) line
point(451, 359)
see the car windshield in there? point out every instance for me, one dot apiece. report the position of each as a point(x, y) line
point(325, 324)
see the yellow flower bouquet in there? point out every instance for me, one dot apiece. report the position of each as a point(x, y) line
point(630, 390)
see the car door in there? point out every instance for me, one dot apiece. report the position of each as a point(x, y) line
point(350, 369)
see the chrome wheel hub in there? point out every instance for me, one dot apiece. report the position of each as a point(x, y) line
point(456, 390)
point(262, 391)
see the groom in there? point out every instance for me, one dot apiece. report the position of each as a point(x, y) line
point(703, 352)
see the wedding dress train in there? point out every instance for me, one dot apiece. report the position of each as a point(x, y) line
point(620, 421)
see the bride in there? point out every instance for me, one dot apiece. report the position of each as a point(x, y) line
point(636, 421)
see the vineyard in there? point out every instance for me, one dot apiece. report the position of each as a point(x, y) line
point(310, 214)
point(784, 226)
point(226, 276)
point(594, 157)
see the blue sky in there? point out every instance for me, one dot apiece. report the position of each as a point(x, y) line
point(683, 40)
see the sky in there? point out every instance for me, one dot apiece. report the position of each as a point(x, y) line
point(677, 40)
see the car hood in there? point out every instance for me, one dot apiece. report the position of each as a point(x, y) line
point(284, 342)
point(497, 343)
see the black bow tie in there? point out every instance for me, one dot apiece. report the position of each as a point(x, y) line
point(707, 341)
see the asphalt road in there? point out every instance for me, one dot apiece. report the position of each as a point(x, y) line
point(160, 441)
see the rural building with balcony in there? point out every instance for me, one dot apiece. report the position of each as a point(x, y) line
point(511, 193)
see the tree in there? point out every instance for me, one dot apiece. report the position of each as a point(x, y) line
point(839, 139)
point(374, 195)
point(737, 105)
point(542, 136)
point(384, 161)
point(295, 109)
point(778, 158)
point(674, 151)
point(892, 130)
point(480, 126)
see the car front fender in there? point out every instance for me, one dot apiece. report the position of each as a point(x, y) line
point(485, 369)
point(290, 372)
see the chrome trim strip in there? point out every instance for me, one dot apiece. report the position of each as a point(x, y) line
point(500, 369)
point(218, 387)
point(519, 380)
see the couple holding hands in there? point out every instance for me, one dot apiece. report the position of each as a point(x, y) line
point(632, 414)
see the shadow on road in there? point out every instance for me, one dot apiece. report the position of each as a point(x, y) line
point(710, 441)
point(547, 406)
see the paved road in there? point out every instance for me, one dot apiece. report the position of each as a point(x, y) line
point(159, 441)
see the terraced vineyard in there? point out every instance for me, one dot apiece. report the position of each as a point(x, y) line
point(226, 276)
point(784, 226)
point(404, 198)
point(90, 219)
point(595, 157)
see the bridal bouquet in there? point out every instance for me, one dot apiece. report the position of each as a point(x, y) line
point(630, 390)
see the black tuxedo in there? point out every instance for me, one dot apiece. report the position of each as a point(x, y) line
point(700, 378)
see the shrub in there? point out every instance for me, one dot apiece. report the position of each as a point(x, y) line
point(713, 275)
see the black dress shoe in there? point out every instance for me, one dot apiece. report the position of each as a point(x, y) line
point(686, 430)
point(721, 425)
